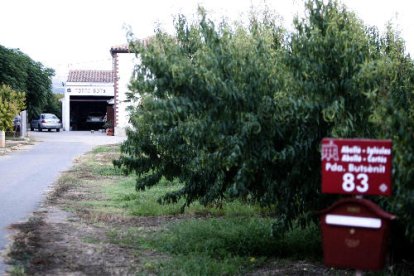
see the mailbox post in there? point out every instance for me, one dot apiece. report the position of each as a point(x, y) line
point(355, 230)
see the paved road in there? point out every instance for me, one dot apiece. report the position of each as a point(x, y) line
point(26, 174)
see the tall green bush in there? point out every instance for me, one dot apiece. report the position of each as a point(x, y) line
point(11, 103)
point(209, 113)
point(389, 84)
point(239, 112)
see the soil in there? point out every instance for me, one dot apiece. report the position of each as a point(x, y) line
point(15, 144)
point(56, 241)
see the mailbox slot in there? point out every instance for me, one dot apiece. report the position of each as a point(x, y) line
point(353, 221)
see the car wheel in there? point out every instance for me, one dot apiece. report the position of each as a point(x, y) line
point(32, 128)
point(39, 128)
point(58, 129)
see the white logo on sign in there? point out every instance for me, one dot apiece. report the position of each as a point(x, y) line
point(383, 187)
point(330, 151)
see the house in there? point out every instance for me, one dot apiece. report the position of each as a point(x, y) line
point(100, 92)
point(86, 92)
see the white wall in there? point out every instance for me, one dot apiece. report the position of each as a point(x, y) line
point(82, 89)
point(66, 111)
point(126, 63)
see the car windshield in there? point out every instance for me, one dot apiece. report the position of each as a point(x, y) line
point(50, 116)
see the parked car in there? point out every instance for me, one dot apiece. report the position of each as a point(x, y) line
point(47, 121)
point(95, 117)
point(95, 120)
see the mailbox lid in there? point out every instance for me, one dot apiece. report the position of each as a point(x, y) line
point(359, 208)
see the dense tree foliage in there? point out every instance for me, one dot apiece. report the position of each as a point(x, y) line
point(206, 93)
point(389, 85)
point(22, 73)
point(53, 104)
point(239, 112)
point(11, 103)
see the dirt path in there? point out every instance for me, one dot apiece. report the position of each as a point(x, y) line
point(61, 243)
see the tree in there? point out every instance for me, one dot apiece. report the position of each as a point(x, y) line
point(240, 112)
point(325, 54)
point(54, 105)
point(11, 103)
point(208, 111)
point(22, 73)
point(388, 83)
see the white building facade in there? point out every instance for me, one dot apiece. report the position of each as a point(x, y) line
point(100, 91)
point(86, 91)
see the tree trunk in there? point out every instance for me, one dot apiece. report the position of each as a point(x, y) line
point(2, 139)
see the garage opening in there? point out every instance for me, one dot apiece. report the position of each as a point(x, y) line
point(88, 113)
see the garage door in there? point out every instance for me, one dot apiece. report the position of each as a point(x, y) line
point(86, 113)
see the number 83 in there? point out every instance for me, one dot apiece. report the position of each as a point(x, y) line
point(348, 182)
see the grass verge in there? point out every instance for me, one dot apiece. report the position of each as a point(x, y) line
point(234, 239)
point(110, 216)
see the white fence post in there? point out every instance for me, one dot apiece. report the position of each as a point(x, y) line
point(23, 124)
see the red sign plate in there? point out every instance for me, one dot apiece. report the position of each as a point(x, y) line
point(356, 166)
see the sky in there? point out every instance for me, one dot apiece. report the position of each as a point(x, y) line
point(78, 34)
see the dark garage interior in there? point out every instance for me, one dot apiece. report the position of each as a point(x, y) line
point(82, 109)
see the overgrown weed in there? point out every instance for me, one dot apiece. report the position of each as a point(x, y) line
point(230, 240)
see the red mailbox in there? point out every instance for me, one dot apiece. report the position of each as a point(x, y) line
point(355, 234)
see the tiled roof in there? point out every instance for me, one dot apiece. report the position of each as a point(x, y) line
point(91, 76)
